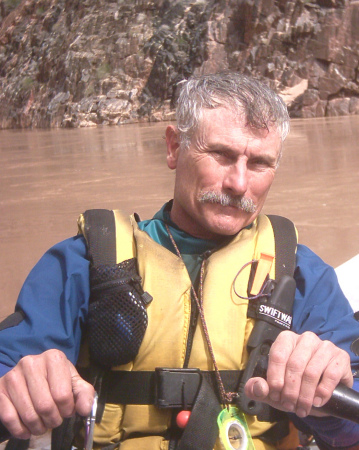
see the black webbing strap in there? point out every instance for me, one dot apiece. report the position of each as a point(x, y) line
point(141, 387)
point(285, 245)
point(62, 437)
point(100, 234)
point(17, 444)
point(13, 320)
point(201, 431)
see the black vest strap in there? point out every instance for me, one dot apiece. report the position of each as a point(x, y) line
point(285, 245)
point(166, 388)
point(199, 433)
point(100, 233)
point(17, 444)
point(62, 437)
point(13, 320)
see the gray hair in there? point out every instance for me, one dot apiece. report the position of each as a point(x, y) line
point(260, 105)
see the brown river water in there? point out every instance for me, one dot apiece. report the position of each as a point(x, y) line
point(48, 177)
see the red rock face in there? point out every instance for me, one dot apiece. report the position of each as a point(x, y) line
point(83, 63)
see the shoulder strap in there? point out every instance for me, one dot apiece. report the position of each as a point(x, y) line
point(285, 245)
point(100, 232)
point(13, 320)
point(98, 227)
point(285, 237)
point(109, 236)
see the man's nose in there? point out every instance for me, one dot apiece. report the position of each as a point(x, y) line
point(236, 178)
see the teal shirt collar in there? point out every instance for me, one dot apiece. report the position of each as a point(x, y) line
point(186, 243)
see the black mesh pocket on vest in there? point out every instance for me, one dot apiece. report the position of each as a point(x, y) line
point(117, 318)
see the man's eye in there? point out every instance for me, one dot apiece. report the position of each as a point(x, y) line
point(259, 163)
point(222, 155)
point(217, 154)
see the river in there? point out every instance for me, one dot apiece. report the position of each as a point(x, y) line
point(48, 177)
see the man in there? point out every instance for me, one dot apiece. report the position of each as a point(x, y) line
point(192, 257)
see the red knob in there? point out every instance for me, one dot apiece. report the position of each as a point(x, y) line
point(182, 418)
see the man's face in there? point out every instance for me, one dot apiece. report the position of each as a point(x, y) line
point(224, 163)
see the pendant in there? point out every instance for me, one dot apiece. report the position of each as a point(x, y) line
point(233, 430)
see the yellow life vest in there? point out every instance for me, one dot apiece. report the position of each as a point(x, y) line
point(165, 277)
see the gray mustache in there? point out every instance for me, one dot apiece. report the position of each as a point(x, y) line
point(240, 202)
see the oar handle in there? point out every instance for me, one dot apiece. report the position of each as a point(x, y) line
point(344, 403)
point(4, 433)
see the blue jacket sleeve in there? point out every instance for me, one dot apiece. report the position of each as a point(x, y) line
point(54, 300)
point(320, 306)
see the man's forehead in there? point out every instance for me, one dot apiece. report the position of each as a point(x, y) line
point(233, 134)
point(235, 114)
point(226, 120)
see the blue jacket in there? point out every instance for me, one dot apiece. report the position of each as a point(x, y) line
point(55, 298)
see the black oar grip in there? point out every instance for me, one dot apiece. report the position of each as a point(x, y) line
point(344, 403)
point(4, 433)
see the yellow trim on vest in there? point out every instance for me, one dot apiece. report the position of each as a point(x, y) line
point(125, 244)
point(165, 277)
point(81, 224)
point(263, 269)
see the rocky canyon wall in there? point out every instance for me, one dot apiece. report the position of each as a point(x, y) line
point(70, 63)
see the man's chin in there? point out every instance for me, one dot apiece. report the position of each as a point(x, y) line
point(229, 226)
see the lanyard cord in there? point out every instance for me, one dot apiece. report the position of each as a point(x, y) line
point(226, 397)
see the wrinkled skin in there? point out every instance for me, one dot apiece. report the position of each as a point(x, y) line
point(303, 371)
point(40, 391)
point(226, 156)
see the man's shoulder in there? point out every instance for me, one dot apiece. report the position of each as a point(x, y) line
point(75, 243)
point(306, 256)
point(68, 251)
point(312, 273)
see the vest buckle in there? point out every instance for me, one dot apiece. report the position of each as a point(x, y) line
point(176, 388)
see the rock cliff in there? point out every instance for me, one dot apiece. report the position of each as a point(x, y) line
point(69, 63)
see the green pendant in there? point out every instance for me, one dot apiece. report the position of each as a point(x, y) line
point(233, 430)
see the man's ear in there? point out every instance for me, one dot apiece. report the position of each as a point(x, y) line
point(173, 146)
